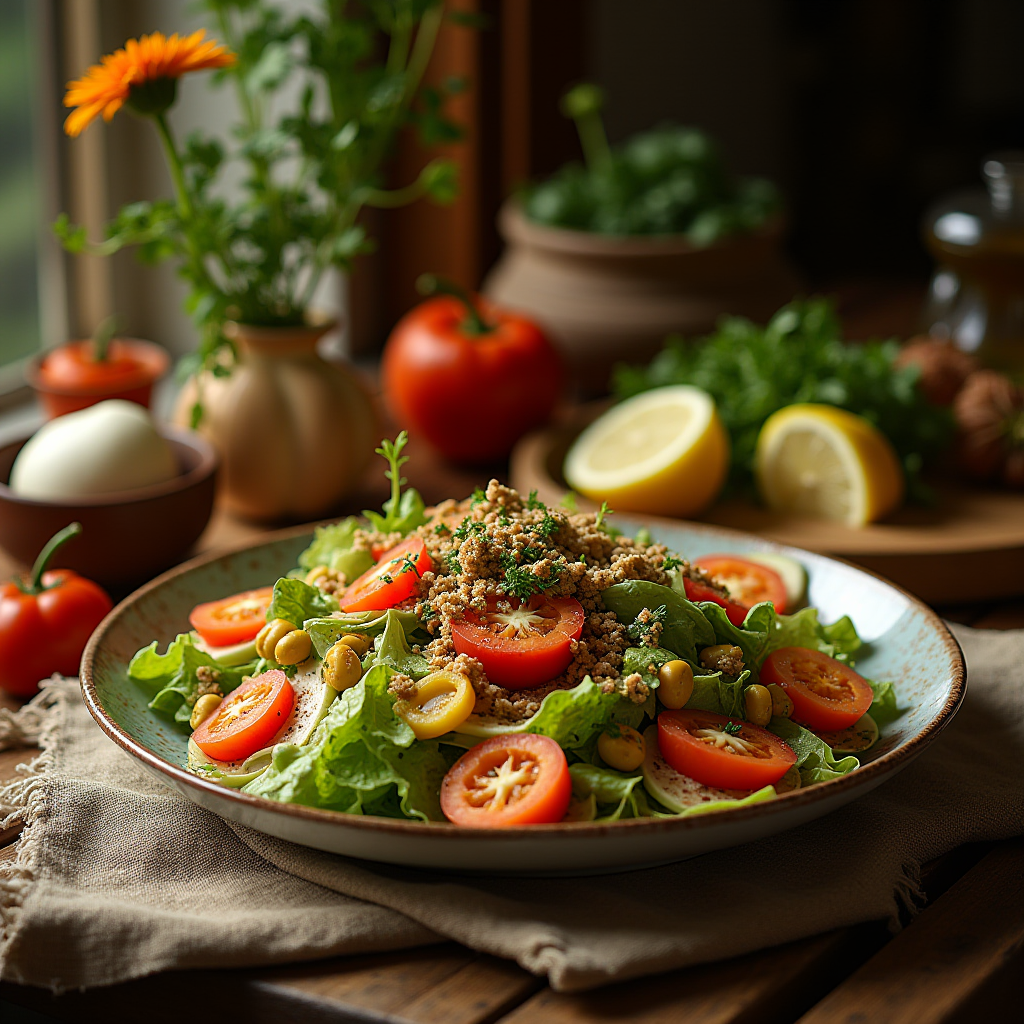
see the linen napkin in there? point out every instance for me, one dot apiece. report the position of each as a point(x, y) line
point(118, 876)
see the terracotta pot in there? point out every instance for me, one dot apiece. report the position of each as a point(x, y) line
point(294, 432)
point(609, 299)
point(151, 361)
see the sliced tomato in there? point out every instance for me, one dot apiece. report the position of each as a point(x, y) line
point(508, 780)
point(232, 620)
point(248, 718)
point(697, 744)
point(696, 591)
point(748, 582)
point(525, 645)
point(826, 694)
point(391, 580)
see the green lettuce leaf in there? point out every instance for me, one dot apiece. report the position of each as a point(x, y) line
point(362, 759)
point(884, 707)
point(612, 790)
point(171, 677)
point(402, 517)
point(722, 696)
point(297, 601)
point(328, 631)
point(752, 638)
point(332, 546)
point(642, 659)
point(814, 758)
point(392, 649)
point(757, 797)
point(802, 629)
point(686, 628)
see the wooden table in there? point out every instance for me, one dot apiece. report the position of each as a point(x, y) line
point(957, 961)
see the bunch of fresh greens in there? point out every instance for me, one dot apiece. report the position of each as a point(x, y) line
point(752, 371)
point(668, 181)
point(257, 253)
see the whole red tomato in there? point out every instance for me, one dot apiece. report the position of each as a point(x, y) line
point(45, 621)
point(468, 376)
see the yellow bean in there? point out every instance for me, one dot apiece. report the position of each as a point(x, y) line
point(342, 667)
point(204, 707)
point(294, 647)
point(675, 684)
point(623, 749)
point(758, 703)
point(782, 706)
point(267, 638)
point(359, 644)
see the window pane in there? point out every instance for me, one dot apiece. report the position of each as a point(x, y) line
point(20, 190)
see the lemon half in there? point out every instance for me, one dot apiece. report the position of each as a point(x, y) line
point(664, 451)
point(822, 462)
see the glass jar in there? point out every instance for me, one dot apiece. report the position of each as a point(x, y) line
point(976, 296)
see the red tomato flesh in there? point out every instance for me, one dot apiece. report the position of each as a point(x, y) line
point(695, 592)
point(695, 744)
point(392, 580)
point(826, 694)
point(248, 718)
point(748, 582)
point(526, 645)
point(232, 620)
point(508, 780)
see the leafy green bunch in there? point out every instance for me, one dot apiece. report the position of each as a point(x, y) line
point(753, 371)
point(668, 181)
point(257, 254)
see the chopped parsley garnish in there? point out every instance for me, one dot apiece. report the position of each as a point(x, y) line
point(478, 496)
point(671, 562)
point(732, 728)
point(640, 630)
point(548, 525)
point(469, 526)
point(533, 502)
point(521, 582)
point(409, 565)
point(503, 519)
point(427, 612)
point(386, 578)
point(452, 561)
point(604, 511)
point(441, 529)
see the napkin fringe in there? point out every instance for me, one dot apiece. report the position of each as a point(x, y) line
point(23, 800)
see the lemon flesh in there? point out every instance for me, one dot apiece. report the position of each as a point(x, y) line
point(821, 462)
point(664, 451)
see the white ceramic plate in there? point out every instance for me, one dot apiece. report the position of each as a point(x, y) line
point(907, 643)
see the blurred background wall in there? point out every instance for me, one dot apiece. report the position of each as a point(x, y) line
point(863, 111)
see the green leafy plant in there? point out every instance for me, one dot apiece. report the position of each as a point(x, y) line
point(668, 181)
point(799, 356)
point(256, 254)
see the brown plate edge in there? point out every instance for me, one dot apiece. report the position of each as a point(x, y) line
point(883, 766)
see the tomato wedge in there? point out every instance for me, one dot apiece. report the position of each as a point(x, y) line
point(697, 744)
point(696, 591)
point(525, 646)
point(748, 582)
point(826, 694)
point(391, 580)
point(248, 718)
point(508, 780)
point(232, 620)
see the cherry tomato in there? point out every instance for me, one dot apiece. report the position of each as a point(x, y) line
point(45, 621)
point(248, 718)
point(826, 694)
point(470, 377)
point(391, 580)
point(232, 620)
point(696, 744)
point(748, 582)
point(508, 780)
point(525, 646)
point(696, 591)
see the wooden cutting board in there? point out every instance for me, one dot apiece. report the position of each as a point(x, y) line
point(968, 547)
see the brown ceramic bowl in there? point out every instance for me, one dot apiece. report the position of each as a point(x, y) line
point(128, 537)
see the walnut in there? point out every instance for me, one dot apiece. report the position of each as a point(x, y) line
point(944, 367)
point(989, 413)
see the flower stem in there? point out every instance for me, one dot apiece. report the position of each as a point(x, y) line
point(174, 165)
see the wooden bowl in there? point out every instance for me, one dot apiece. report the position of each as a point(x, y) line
point(968, 546)
point(128, 537)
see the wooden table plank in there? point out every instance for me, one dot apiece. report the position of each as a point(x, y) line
point(931, 970)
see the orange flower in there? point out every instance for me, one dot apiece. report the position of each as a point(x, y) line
point(107, 86)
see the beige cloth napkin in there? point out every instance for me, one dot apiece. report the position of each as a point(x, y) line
point(117, 876)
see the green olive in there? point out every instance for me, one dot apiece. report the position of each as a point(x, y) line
point(293, 648)
point(342, 667)
point(359, 644)
point(758, 703)
point(623, 749)
point(675, 684)
point(204, 707)
point(782, 705)
point(268, 637)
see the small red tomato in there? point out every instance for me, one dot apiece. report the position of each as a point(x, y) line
point(391, 580)
point(45, 621)
point(748, 582)
point(470, 377)
point(232, 620)
point(696, 592)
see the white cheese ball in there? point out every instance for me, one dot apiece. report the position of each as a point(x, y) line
point(111, 446)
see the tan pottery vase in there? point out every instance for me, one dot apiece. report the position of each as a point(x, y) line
point(294, 431)
point(608, 299)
